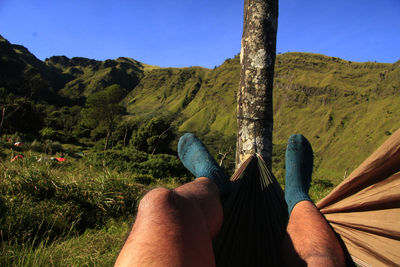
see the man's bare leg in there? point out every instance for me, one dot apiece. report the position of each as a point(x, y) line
point(309, 238)
point(176, 227)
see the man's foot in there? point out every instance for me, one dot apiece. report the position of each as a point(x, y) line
point(196, 158)
point(299, 165)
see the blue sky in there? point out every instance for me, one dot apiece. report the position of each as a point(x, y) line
point(198, 32)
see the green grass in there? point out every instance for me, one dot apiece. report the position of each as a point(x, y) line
point(75, 213)
point(95, 247)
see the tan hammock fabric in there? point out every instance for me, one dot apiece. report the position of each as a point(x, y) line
point(365, 208)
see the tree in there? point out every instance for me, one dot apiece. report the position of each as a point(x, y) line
point(60, 123)
point(257, 59)
point(18, 114)
point(154, 136)
point(9, 104)
point(102, 109)
point(123, 131)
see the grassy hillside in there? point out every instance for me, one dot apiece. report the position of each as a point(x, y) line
point(346, 109)
point(214, 107)
point(202, 100)
point(88, 76)
point(165, 90)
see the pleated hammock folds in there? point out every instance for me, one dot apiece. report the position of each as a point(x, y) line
point(255, 218)
point(364, 210)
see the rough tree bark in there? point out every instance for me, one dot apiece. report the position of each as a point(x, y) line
point(257, 59)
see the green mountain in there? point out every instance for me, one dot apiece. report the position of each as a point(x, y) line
point(202, 100)
point(346, 109)
point(87, 76)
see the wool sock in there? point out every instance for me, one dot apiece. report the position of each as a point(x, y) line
point(299, 165)
point(196, 158)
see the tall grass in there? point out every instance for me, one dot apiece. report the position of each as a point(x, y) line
point(95, 247)
point(73, 213)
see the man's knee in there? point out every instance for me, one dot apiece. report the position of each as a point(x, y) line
point(159, 200)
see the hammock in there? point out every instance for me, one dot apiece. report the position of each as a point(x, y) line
point(364, 210)
point(255, 218)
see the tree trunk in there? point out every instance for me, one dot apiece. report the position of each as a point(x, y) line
point(3, 114)
point(107, 138)
point(257, 59)
point(126, 134)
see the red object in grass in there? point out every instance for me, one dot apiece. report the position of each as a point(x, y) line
point(17, 157)
point(61, 159)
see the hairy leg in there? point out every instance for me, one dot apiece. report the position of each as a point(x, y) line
point(175, 227)
point(310, 240)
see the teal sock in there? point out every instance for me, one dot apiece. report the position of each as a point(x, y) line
point(299, 165)
point(196, 158)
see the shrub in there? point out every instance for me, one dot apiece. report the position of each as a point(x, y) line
point(56, 147)
point(36, 146)
point(50, 133)
point(118, 159)
point(50, 147)
point(144, 179)
point(154, 136)
point(162, 166)
point(138, 162)
point(6, 144)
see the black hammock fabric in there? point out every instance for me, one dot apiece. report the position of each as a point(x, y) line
point(255, 218)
